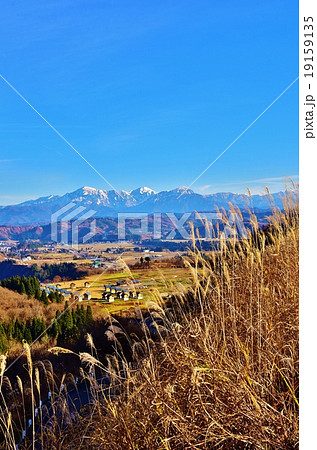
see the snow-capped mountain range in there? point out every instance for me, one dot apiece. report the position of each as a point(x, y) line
point(143, 200)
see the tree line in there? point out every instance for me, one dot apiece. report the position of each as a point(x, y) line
point(47, 272)
point(69, 324)
point(66, 271)
point(32, 288)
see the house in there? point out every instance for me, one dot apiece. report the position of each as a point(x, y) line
point(87, 296)
point(79, 298)
point(115, 290)
point(108, 297)
point(140, 295)
point(125, 297)
point(86, 284)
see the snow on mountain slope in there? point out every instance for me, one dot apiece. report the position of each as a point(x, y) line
point(109, 203)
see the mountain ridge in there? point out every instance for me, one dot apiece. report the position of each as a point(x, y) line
point(141, 200)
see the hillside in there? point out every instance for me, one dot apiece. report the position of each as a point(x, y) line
point(217, 367)
point(19, 306)
point(224, 372)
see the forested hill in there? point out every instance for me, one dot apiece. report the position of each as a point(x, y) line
point(47, 272)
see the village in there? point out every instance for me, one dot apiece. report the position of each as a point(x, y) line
point(113, 278)
point(121, 290)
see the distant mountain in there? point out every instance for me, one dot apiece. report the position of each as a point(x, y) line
point(110, 203)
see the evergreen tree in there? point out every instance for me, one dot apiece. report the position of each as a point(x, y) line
point(66, 322)
point(36, 328)
point(44, 298)
point(54, 330)
point(28, 335)
point(82, 314)
point(22, 289)
point(3, 339)
point(89, 318)
point(18, 331)
point(10, 329)
point(29, 288)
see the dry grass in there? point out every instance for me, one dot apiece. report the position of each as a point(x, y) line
point(223, 371)
point(19, 306)
point(227, 374)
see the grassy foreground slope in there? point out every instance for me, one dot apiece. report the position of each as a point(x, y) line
point(221, 371)
point(225, 371)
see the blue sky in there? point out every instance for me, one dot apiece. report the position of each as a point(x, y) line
point(150, 93)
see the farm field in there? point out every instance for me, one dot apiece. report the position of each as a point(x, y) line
point(105, 253)
point(55, 258)
point(152, 281)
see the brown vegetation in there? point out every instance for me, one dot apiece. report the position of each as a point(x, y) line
point(222, 371)
point(163, 263)
point(19, 306)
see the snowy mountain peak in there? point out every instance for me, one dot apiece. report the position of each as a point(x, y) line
point(142, 193)
point(146, 190)
point(183, 190)
point(86, 190)
point(143, 199)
